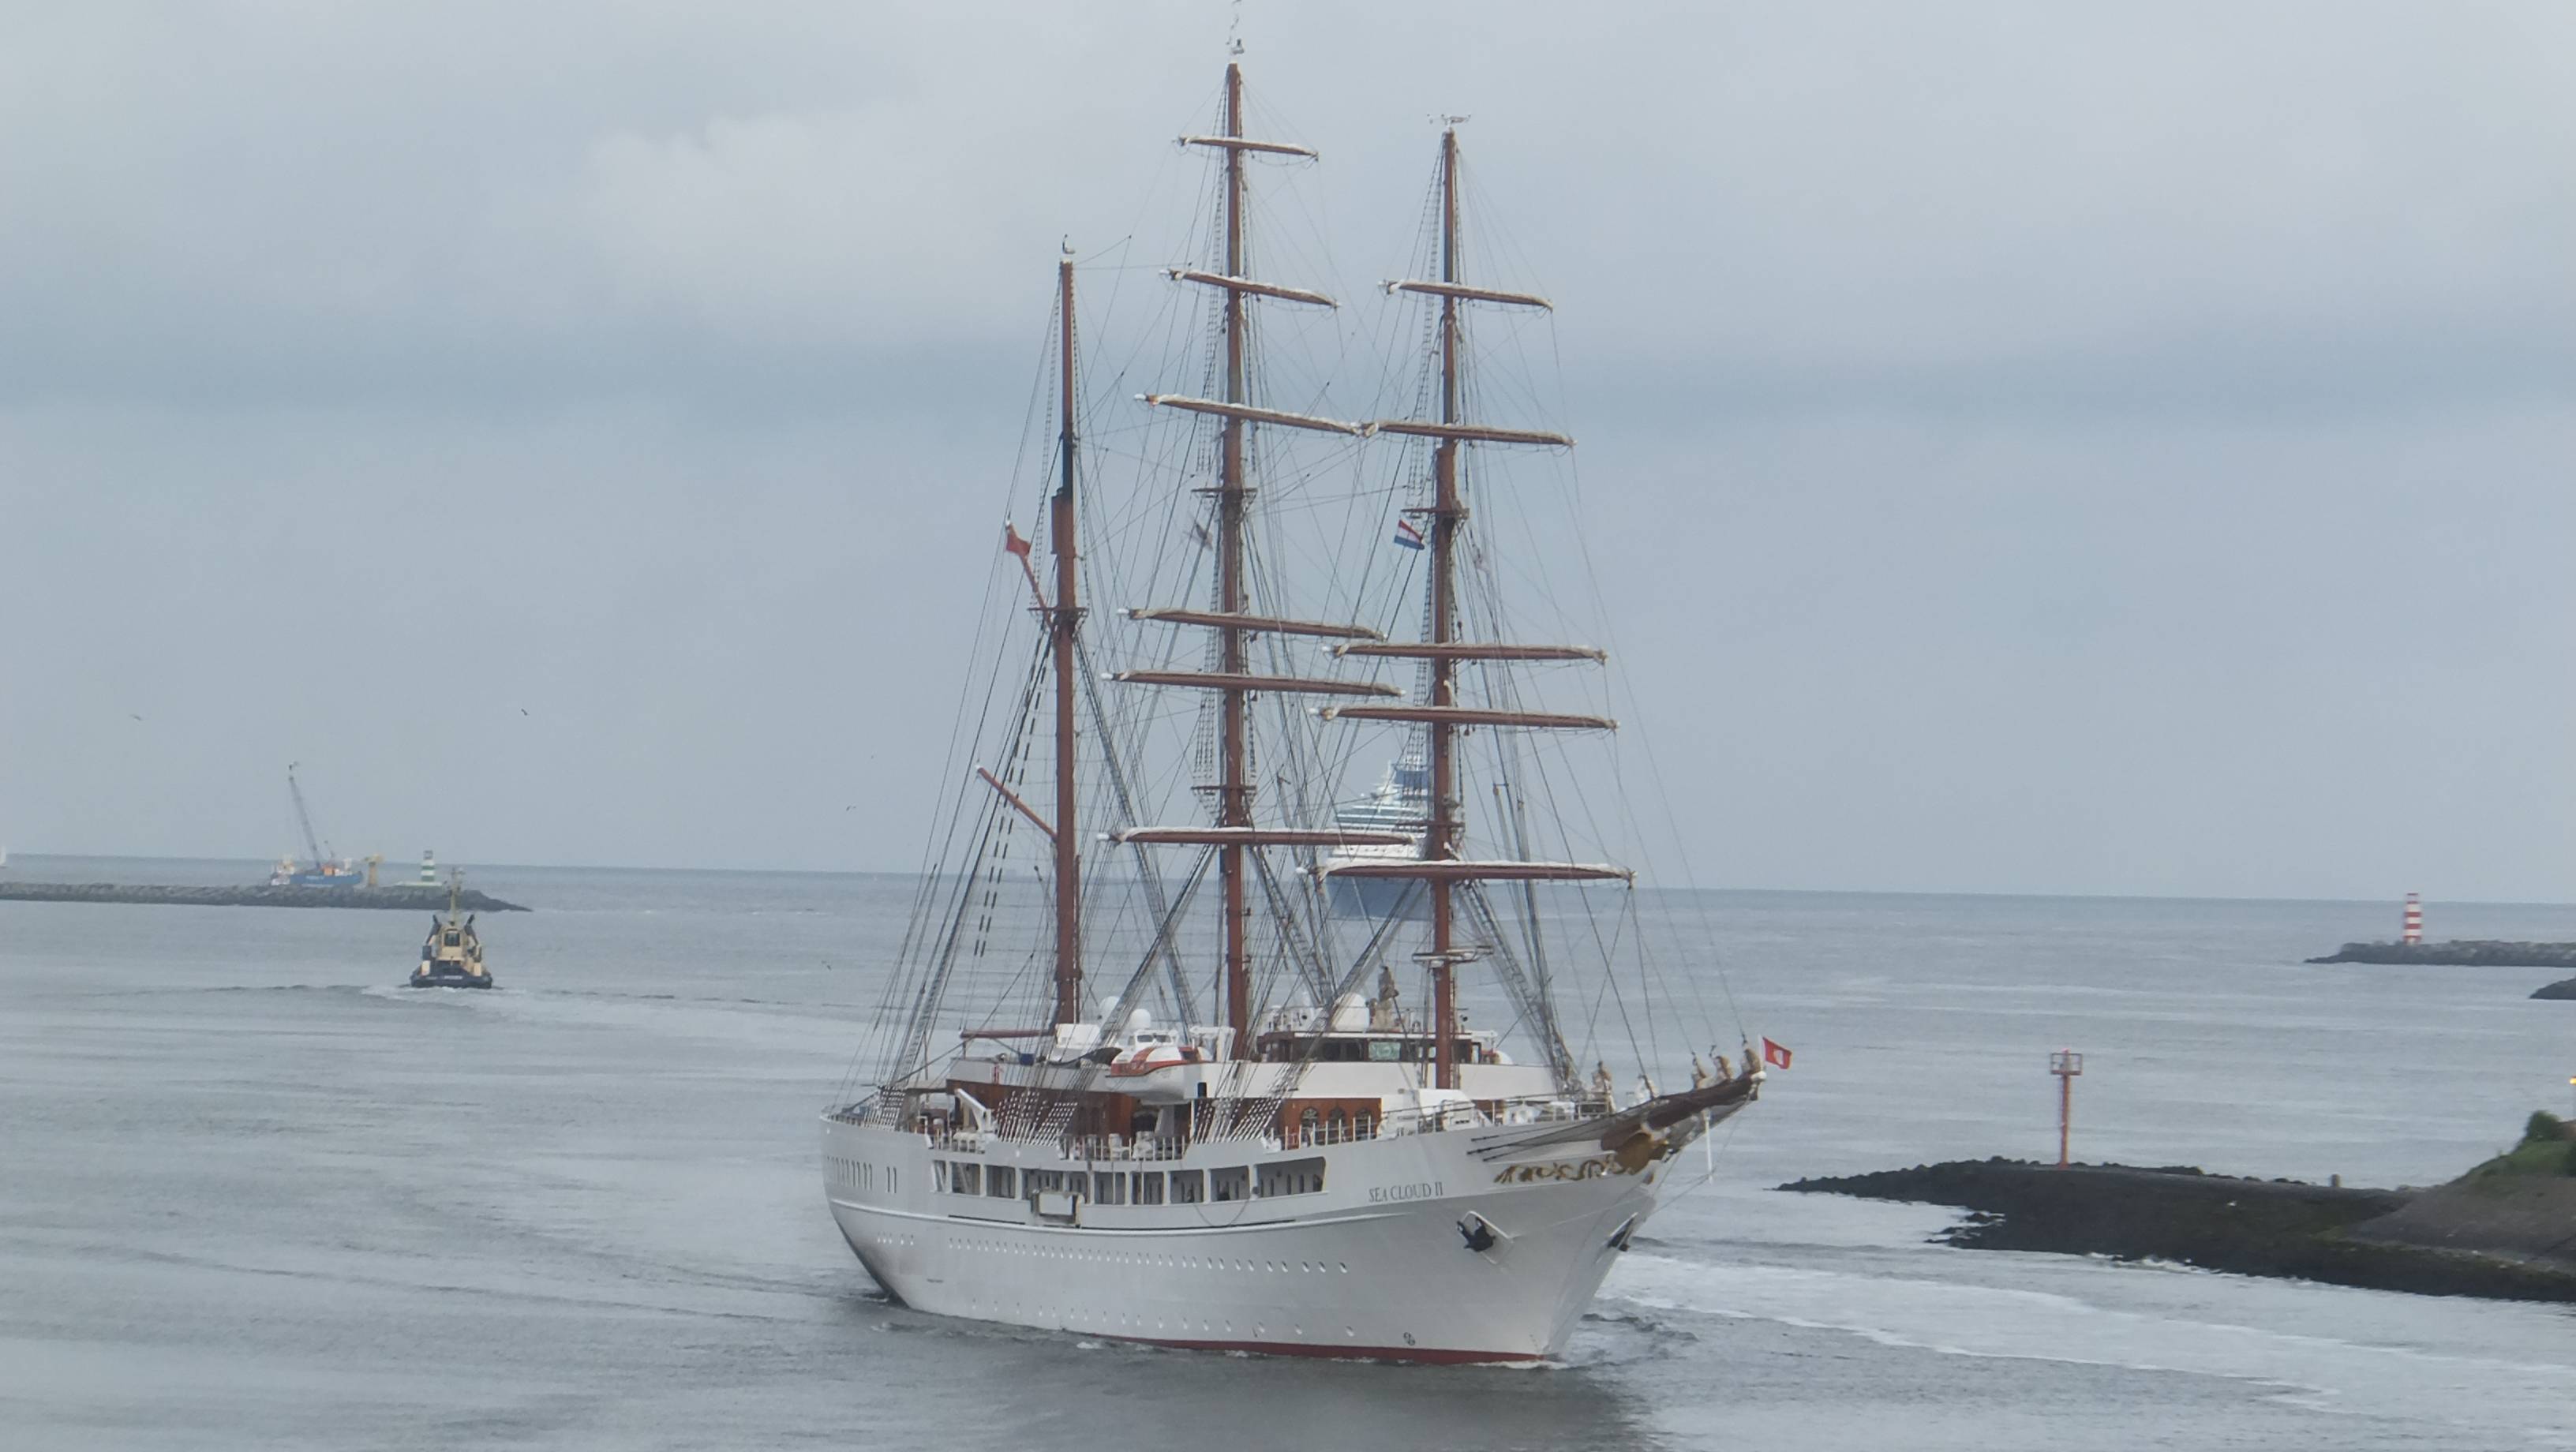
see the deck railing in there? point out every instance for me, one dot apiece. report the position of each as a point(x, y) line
point(946, 1135)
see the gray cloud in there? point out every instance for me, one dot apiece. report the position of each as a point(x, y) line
point(2057, 448)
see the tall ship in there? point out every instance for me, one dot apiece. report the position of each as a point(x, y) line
point(1131, 1076)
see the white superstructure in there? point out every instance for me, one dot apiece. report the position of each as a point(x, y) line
point(1367, 1215)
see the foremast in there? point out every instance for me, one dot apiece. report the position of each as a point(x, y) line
point(1440, 866)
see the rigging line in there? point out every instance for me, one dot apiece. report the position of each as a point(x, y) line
point(1528, 1001)
point(1729, 1124)
point(1619, 1000)
point(944, 961)
point(915, 1043)
point(937, 848)
point(932, 847)
point(1645, 986)
point(1015, 769)
point(1604, 949)
point(1654, 766)
point(1308, 964)
point(1386, 927)
point(1146, 872)
point(1125, 1004)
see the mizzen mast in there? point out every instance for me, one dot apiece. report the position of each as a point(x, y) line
point(1064, 621)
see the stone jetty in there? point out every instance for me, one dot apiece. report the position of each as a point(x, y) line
point(2476, 1237)
point(2459, 953)
point(405, 897)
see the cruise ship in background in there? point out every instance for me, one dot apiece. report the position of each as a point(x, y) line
point(1399, 804)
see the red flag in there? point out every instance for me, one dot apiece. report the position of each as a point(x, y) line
point(1011, 540)
point(1774, 1054)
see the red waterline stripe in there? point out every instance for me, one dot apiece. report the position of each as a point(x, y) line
point(1431, 1356)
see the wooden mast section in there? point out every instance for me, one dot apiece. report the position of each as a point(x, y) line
point(1234, 619)
point(1062, 623)
point(1234, 783)
point(1440, 841)
point(1439, 867)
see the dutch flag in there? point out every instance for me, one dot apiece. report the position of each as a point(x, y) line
point(1408, 534)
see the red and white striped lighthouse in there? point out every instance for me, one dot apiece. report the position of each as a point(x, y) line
point(2414, 919)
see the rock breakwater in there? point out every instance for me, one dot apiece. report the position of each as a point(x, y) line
point(2395, 1240)
point(2459, 953)
point(405, 897)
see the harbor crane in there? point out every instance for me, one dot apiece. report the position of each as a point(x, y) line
point(304, 819)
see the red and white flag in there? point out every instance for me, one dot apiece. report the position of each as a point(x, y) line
point(1775, 1054)
point(1011, 540)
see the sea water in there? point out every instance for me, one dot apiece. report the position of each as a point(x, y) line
point(254, 1194)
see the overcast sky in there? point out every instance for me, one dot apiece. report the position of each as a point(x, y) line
point(2033, 447)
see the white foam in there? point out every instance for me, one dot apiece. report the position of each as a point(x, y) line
point(2142, 1319)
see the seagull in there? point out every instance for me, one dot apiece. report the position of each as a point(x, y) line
point(135, 715)
point(523, 710)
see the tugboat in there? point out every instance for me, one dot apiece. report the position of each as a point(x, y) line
point(453, 956)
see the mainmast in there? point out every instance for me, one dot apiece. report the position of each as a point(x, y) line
point(1234, 619)
point(1234, 785)
point(1062, 624)
point(1440, 839)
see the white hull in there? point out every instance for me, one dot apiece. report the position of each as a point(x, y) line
point(1376, 1264)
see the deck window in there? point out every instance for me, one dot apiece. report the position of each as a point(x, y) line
point(1189, 1187)
point(1109, 1187)
point(967, 1178)
point(1293, 1177)
point(1148, 1185)
point(1233, 1184)
point(1001, 1182)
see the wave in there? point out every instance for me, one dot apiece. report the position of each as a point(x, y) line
point(2498, 1395)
